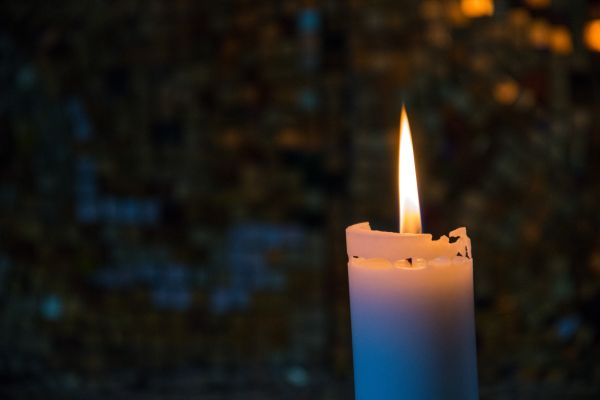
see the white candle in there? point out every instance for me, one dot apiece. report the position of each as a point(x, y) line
point(411, 302)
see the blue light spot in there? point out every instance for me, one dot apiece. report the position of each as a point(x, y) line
point(26, 77)
point(52, 307)
point(82, 129)
point(308, 99)
point(87, 211)
point(309, 20)
point(567, 326)
point(297, 376)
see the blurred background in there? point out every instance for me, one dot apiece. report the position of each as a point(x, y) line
point(176, 177)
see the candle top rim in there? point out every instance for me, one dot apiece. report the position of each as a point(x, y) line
point(364, 242)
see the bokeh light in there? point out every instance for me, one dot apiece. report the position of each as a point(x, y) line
point(561, 42)
point(591, 35)
point(477, 8)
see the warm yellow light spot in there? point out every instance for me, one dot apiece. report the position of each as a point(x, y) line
point(506, 92)
point(560, 41)
point(477, 8)
point(540, 32)
point(410, 212)
point(290, 139)
point(591, 35)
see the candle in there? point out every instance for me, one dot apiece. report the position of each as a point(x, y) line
point(411, 302)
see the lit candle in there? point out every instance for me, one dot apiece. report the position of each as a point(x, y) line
point(411, 299)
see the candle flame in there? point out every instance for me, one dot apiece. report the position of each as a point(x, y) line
point(410, 213)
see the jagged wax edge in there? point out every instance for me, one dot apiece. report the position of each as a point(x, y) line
point(366, 243)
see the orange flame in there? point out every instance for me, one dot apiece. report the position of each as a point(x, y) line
point(410, 213)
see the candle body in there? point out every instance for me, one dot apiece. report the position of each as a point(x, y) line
point(413, 329)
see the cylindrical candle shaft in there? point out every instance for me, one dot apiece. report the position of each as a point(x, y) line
point(413, 327)
point(413, 331)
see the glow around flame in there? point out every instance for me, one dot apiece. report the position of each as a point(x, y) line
point(410, 213)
